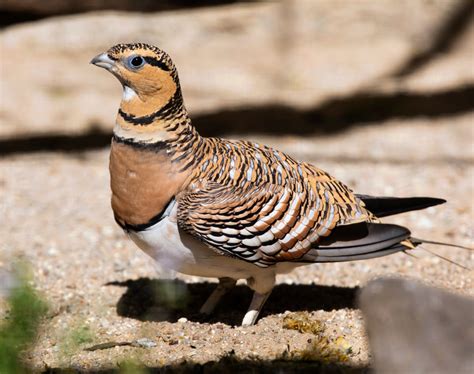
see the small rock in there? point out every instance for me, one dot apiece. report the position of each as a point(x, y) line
point(182, 320)
point(52, 251)
point(144, 343)
point(118, 267)
point(413, 328)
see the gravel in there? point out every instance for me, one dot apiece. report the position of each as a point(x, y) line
point(57, 217)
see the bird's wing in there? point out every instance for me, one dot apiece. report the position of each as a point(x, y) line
point(266, 223)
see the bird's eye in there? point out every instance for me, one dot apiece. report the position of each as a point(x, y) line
point(136, 62)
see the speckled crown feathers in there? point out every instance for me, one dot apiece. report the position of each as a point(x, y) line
point(160, 55)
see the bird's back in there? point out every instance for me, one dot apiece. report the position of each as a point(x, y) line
point(259, 204)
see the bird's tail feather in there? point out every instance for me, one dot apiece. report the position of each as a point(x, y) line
point(387, 206)
point(445, 258)
point(418, 241)
point(359, 241)
point(369, 240)
point(363, 256)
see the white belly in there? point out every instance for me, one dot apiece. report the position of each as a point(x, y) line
point(176, 250)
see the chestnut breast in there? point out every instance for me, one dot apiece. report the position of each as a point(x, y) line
point(142, 181)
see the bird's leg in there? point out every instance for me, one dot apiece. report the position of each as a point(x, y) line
point(225, 284)
point(255, 307)
point(262, 287)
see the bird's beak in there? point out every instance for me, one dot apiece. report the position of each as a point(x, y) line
point(103, 60)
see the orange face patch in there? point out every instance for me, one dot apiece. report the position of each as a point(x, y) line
point(152, 83)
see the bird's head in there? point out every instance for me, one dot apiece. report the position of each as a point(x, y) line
point(147, 73)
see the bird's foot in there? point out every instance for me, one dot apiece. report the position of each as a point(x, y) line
point(225, 284)
point(256, 305)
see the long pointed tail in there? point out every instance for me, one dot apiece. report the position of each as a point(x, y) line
point(416, 242)
point(366, 240)
point(387, 206)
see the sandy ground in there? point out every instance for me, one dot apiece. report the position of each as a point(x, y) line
point(247, 54)
point(56, 215)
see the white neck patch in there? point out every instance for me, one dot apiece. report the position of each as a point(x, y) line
point(128, 93)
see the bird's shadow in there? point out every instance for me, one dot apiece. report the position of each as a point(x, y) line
point(168, 300)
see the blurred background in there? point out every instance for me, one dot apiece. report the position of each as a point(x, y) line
point(288, 67)
point(378, 93)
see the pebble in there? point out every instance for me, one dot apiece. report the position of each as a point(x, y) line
point(145, 343)
point(52, 251)
point(182, 320)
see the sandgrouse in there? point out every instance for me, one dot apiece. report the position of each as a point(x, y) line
point(228, 209)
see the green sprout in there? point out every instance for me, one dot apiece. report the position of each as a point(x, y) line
point(18, 330)
point(76, 337)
